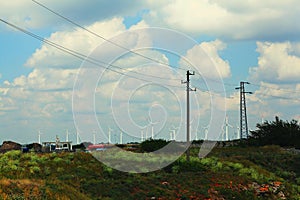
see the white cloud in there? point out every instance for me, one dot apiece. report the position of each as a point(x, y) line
point(277, 62)
point(271, 100)
point(278, 73)
point(79, 41)
point(30, 15)
point(205, 58)
point(231, 19)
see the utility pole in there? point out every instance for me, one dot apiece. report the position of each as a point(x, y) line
point(188, 89)
point(243, 110)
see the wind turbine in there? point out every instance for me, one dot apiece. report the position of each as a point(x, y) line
point(205, 128)
point(142, 135)
point(172, 134)
point(67, 135)
point(109, 135)
point(121, 137)
point(226, 128)
point(144, 130)
point(237, 131)
point(146, 133)
point(152, 127)
point(77, 137)
point(174, 131)
point(39, 136)
point(94, 137)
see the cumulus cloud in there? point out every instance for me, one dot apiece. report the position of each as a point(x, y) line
point(206, 59)
point(30, 15)
point(230, 19)
point(41, 100)
point(277, 62)
point(79, 41)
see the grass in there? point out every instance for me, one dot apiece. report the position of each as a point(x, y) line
point(229, 173)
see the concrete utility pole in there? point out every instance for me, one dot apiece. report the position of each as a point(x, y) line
point(188, 89)
point(243, 110)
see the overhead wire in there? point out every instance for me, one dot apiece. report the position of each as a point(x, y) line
point(120, 46)
point(105, 39)
point(131, 51)
point(82, 56)
point(96, 62)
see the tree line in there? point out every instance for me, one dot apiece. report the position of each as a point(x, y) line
point(277, 132)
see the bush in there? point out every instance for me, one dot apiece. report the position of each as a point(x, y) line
point(153, 145)
point(278, 132)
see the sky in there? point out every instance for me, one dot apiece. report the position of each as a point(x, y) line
point(130, 59)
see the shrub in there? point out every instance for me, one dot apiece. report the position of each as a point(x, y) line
point(152, 145)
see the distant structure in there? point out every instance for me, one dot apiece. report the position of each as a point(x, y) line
point(57, 146)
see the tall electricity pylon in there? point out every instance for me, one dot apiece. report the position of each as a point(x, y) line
point(243, 110)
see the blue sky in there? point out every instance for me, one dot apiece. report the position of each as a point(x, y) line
point(225, 42)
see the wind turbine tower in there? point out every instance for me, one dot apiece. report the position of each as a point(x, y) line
point(142, 135)
point(109, 135)
point(205, 132)
point(39, 136)
point(121, 137)
point(77, 137)
point(67, 135)
point(226, 128)
point(94, 137)
point(152, 127)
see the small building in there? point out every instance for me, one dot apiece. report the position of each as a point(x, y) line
point(96, 147)
point(56, 146)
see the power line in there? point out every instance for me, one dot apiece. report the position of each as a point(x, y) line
point(99, 36)
point(141, 55)
point(215, 80)
point(84, 57)
point(118, 45)
point(93, 60)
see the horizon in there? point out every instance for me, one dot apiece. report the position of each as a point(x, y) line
point(111, 69)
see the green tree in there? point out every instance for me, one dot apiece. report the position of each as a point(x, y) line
point(278, 132)
point(153, 145)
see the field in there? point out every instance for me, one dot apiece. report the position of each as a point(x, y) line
point(268, 172)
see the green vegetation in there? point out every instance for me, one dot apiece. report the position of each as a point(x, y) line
point(278, 132)
point(249, 171)
point(152, 145)
point(233, 172)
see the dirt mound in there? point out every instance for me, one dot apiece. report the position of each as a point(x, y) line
point(9, 146)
